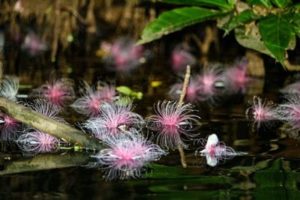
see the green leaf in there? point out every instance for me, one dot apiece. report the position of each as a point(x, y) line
point(265, 3)
point(222, 4)
point(238, 20)
point(174, 20)
point(281, 3)
point(251, 40)
point(276, 33)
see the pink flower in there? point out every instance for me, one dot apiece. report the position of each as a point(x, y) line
point(261, 111)
point(9, 128)
point(172, 122)
point(113, 117)
point(123, 55)
point(216, 151)
point(180, 58)
point(127, 154)
point(56, 92)
point(236, 77)
point(37, 142)
point(192, 92)
point(34, 141)
point(90, 103)
point(9, 88)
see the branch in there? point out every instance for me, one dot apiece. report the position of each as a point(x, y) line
point(48, 125)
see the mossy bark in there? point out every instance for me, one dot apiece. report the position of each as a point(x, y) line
point(48, 125)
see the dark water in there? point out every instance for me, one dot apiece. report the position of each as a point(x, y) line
point(270, 170)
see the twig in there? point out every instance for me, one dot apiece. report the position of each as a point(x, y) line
point(48, 125)
point(180, 102)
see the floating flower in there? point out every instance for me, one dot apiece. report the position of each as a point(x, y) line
point(261, 111)
point(9, 88)
point(34, 141)
point(216, 151)
point(56, 92)
point(37, 142)
point(127, 154)
point(172, 121)
point(113, 117)
point(180, 58)
point(90, 103)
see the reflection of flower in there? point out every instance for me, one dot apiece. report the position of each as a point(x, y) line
point(127, 154)
point(236, 77)
point(216, 151)
point(123, 55)
point(180, 58)
point(172, 121)
point(113, 117)
point(33, 44)
point(9, 127)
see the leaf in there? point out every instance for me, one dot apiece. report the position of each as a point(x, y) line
point(222, 4)
point(276, 33)
point(265, 3)
point(281, 3)
point(251, 40)
point(174, 20)
point(241, 19)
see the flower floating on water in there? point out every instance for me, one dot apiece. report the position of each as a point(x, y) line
point(261, 111)
point(56, 92)
point(216, 151)
point(37, 142)
point(172, 122)
point(9, 88)
point(34, 141)
point(90, 103)
point(127, 154)
point(180, 58)
point(112, 119)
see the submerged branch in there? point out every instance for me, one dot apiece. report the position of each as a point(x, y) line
point(48, 125)
point(180, 102)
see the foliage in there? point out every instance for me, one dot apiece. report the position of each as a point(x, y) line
point(267, 26)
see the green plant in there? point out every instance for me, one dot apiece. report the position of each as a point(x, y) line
point(267, 26)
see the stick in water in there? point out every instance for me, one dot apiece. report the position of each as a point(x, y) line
point(180, 102)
